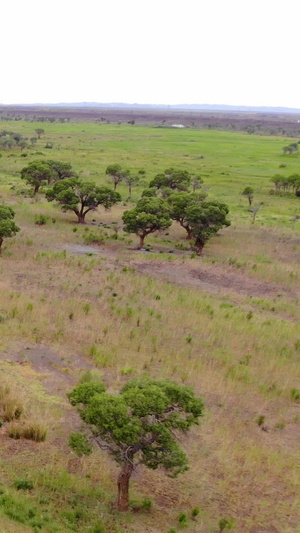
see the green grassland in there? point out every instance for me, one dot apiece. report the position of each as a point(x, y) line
point(226, 323)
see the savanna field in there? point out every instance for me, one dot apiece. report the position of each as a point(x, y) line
point(80, 300)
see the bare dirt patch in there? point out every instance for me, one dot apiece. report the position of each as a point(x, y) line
point(213, 279)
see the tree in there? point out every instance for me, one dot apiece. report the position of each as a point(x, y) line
point(60, 169)
point(205, 220)
point(7, 226)
point(130, 181)
point(139, 426)
point(149, 215)
point(37, 173)
point(39, 132)
point(116, 174)
point(81, 197)
point(254, 210)
point(249, 193)
point(172, 179)
point(196, 182)
point(179, 204)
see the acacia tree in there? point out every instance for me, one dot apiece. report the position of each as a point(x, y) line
point(179, 204)
point(37, 173)
point(116, 174)
point(139, 426)
point(177, 180)
point(131, 181)
point(205, 220)
point(149, 215)
point(196, 182)
point(60, 169)
point(249, 193)
point(81, 197)
point(39, 132)
point(7, 226)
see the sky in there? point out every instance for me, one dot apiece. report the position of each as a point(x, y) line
point(237, 52)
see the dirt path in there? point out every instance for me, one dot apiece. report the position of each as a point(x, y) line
point(209, 278)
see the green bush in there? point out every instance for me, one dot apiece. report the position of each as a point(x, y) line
point(23, 484)
point(40, 220)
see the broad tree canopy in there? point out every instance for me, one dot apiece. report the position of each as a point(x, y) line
point(81, 196)
point(205, 220)
point(149, 215)
point(139, 425)
point(172, 179)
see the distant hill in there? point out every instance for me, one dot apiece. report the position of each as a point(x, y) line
point(181, 107)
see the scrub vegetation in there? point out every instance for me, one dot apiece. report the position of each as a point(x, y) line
point(114, 351)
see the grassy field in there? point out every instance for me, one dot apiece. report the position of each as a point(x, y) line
point(226, 323)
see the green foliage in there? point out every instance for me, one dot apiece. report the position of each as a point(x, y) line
point(23, 484)
point(176, 180)
point(84, 392)
point(36, 174)
point(260, 420)
point(81, 197)
point(60, 170)
point(40, 220)
point(117, 174)
point(195, 512)
point(295, 394)
point(226, 523)
point(7, 226)
point(249, 193)
point(80, 444)
point(205, 220)
point(179, 204)
point(149, 215)
point(139, 422)
point(182, 519)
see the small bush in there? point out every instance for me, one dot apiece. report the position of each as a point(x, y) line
point(40, 220)
point(182, 519)
point(147, 504)
point(295, 394)
point(195, 512)
point(23, 484)
point(226, 523)
point(80, 444)
point(260, 420)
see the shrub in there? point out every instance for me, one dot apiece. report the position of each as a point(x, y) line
point(23, 484)
point(182, 519)
point(147, 504)
point(80, 444)
point(295, 394)
point(40, 220)
point(195, 512)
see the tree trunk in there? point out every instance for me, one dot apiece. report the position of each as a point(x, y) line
point(115, 185)
point(130, 190)
point(81, 218)
point(199, 245)
point(36, 189)
point(123, 487)
point(250, 200)
point(142, 238)
point(189, 234)
point(1, 242)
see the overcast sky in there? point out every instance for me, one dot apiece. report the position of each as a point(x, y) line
point(243, 52)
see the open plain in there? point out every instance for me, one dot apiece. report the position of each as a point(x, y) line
point(81, 298)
